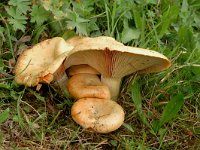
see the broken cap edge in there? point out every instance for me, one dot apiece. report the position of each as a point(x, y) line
point(29, 69)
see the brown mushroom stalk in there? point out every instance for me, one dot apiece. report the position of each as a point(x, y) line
point(93, 109)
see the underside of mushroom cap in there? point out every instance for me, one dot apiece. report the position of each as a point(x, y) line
point(112, 58)
point(40, 62)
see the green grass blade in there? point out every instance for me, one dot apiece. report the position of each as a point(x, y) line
point(4, 115)
point(136, 97)
point(172, 109)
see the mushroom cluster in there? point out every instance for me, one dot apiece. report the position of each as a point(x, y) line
point(95, 68)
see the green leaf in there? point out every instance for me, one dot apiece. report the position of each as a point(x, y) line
point(4, 86)
point(17, 19)
point(172, 109)
point(155, 125)
point(168, 17)
point(114, 143)
point(22, 5)
point(136, 97)
point(127, 126)
point(39, 15)
point(4, 115)
point(128, 33)
point(185, 6)
point(78, 23)
point(1, 30)
point(186, 38)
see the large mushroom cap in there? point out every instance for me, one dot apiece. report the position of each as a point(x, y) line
point(40, 63)
point(112, 58)
point(99, 115)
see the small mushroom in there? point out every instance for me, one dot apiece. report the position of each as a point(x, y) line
point(86, 85)
point(42, 62)
point(81, 69)
point(113, 60)
point(99, 115)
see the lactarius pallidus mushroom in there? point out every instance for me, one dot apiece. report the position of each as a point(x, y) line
point(113, 60)
point(42, 62)
point(93, 109)
point(99, 115)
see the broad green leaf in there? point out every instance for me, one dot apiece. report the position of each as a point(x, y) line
point(85, 9)
point(140, 22)
point(78, 23)
point(128, 33)
point(168, 17)
point(186, 38)
point(185, 6)
point(17, 24)
point(22, 5)
point(4, 115)
point(39, 15)
point(17, 19)
point(172, 109)
point(136, 97)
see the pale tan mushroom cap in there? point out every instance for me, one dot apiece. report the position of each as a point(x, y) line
point(39, 63)
point(81, 69)
point(85, 85)
point(112, 58)
point(99, 115)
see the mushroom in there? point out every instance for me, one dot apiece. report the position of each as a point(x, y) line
point(99, 115)
point(81, 69)
point(93, 109)
point(113, 60)
point(42, 62)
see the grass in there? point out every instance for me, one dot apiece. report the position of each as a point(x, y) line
point(41, 120)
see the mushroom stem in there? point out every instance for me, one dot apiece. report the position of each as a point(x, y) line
point(113, 84)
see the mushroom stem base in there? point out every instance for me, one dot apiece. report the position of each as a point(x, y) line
point(113, 84)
